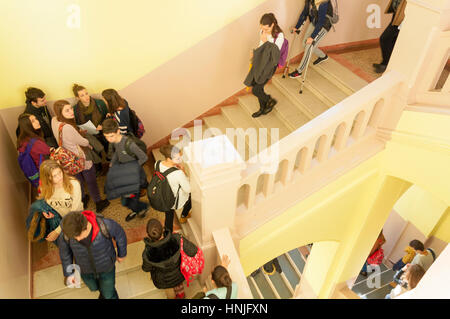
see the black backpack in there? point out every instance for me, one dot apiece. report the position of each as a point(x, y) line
point(159, 193)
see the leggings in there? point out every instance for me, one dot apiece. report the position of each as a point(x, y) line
point(88, 176)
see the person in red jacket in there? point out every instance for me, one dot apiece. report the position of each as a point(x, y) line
point(30, 128)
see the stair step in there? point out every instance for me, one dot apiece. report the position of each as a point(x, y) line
point(49, 282)
point(385, 278)
point(264, 286)
point(340, 75)
point(280, 286)
point(289, 272)
point(291, 115)
point(253, 288)
point(297, 259)
point(157, 155)
point(308, 103)
point(189, 132)
point(250, 104)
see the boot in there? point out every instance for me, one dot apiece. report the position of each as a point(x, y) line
point(259, 113)
point(101, 205)
point(269, 107)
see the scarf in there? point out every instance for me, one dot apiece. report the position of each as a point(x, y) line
point(89, 112)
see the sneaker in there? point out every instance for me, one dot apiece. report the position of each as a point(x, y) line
point(180, 296)
point(142, 213)
point(183, 220)
point(101, 205)
point(294, 74)
point(320, 60)
point(130, 216)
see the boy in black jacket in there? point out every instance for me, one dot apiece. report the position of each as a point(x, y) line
point(126, 151)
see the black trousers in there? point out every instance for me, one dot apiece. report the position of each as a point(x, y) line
point(387, 41)
point(258, 91)
point(168, 223)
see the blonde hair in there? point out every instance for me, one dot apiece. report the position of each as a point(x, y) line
point(319, 2)
point(45, 174)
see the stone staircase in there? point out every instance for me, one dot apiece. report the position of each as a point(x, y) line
point(281, 285)
point(326, 85)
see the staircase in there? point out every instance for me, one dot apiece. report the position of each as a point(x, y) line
point(281, 285)
point(363, 285)
point(326, 85)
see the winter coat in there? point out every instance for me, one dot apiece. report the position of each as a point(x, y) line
point(124, 179)
point(41, 113)
point(37, 225)
point(264, 64)
point(163, 258)
point(100, 256)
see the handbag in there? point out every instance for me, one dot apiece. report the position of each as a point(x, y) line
point(71, 163)
point(376, 258)
point(191, 266)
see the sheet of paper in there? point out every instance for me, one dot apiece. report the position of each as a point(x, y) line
point(89, 127)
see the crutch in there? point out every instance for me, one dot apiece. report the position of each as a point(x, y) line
point(311, 49)
point(286, 69)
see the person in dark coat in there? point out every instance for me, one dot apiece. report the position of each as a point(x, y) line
point(88, 238)
point(36, 105)
point(162, 258)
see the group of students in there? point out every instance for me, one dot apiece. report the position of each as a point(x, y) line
point(409, 269)
point(59, 213)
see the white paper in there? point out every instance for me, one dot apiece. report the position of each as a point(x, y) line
point(89, 127)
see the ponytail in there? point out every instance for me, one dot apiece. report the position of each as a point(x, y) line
point(221, 277)
point(269, 19)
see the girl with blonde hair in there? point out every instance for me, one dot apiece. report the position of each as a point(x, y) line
point(60, 191)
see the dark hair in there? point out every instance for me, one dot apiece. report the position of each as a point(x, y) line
point(77, 88)
point(268, 19)
point(221, 277)
point(113, 99)
point(154, 229)
point(26, 130)
point(58, 107)
point(417, 245)
point(168, 150)
point(32, 94)
point(73, 224)
point(110, 126)
point(413, 275)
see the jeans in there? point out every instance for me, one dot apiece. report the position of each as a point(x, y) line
point(88, 176)
point(105, 282)
point(134, 203)
point(398, 265)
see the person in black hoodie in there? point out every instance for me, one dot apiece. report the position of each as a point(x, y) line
point(318, 12)
point(36, 105)
point(162, 258)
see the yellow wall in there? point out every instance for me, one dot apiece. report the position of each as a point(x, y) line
point(117, 42)
point(442, 229)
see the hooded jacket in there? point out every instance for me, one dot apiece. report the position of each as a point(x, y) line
point(41, 114)
point(264, 64)
point(162, 259)
point(100, 255)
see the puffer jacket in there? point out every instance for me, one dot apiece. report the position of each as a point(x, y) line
point(100, 256)
point(123, 179)
point(37, 225)
point(163, 258)
point(264, 64)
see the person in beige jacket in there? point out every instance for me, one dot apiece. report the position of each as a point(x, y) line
point(390, 34)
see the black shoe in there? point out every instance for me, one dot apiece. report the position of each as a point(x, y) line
point(130, 216)
point(85, 201)
point(142, 213)
point(319, 60)
point(270, 105)
point(101, 205)
point(259, 113)
point(380, 68)
point(294, 74)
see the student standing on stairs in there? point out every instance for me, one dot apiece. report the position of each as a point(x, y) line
point(178, 182)
point(317, 12)
point(60, 191)
point(73, 141)
point(88, 239)
point(225, 288)
point(265, 60)
point(125, 151)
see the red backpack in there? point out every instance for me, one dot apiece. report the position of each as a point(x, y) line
point(70, 162)
point(376, 258)
point(191, 266)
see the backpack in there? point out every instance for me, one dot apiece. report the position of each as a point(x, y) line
point(283, 52)
point(335, 17)
point(376, 258)
point(130, 139)
point(191, 266)
point(101, 224)
point(71, 163)
point(432, 253)
point(137, 124)
point(28, 166)
point(159, 193)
